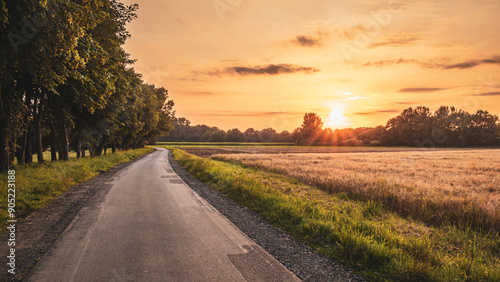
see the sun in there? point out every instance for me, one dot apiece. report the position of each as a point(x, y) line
point(336, 117)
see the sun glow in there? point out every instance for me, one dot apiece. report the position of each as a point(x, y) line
point(336, 117)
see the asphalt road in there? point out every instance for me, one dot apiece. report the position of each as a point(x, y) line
point(152, 227)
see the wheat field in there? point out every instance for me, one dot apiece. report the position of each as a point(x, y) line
point(438, 187)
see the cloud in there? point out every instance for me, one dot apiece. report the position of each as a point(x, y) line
point(430, 65)
point(271, 69)
point(307, 41)
point(420, 89)
point(357, 98)
point(311, 40)
point(396, 41)
point(391, 62)
point(489, 94)
point(351, 32)
point(378, 112)
point(470, 64)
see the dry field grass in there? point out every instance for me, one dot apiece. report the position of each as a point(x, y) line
point(437, 187)
point(204, 151)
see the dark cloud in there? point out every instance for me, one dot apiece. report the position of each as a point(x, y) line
point(260, 70)
point(473, 63)
point(272, 69)
point(307, 41)
point(431, 65)
point(397, 41)
point(489, 94)
point(420, 89)
point(379, 112)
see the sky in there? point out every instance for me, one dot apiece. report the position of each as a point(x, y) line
point(265, 63)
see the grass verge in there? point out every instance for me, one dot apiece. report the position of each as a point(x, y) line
point(37, 184)
point(377, 243)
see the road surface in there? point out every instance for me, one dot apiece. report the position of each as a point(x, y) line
point(153, 227)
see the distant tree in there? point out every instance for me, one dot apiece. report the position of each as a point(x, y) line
point(235, 135)
point(310, 130)
point(206, 136)
point(368, 135)
point(480, 130)
point(296, 135)
point(409, 128)
point(217, 136)
point(283, 137)
point(267, 135)
point(252, 135)
point(192, 137)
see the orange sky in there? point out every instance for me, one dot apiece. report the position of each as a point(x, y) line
point(264, 63)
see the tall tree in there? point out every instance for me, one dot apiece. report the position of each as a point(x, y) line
point(310, 129)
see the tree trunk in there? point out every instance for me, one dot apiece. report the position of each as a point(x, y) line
point(38, 130)
point(3, 136)
point(65, 145)
point(78, 149)
point(83, 153)
point(98, 151)
point(12, 156)
point(53, 143)
point(29, 154)
point(21, 155)
point(113, 149)
point(105, 149)
point(3, 151)
point(53, 151)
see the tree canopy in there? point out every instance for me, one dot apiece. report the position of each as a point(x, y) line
point(66, 82)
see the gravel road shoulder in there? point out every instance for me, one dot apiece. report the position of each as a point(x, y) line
point(303, 261)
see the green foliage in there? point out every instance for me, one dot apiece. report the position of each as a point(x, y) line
point(235, 135)
point(377, 243)
point(65, 79)
point(184, 132)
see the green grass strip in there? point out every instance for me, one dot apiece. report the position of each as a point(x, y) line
point(377, 243)
point(37, 184)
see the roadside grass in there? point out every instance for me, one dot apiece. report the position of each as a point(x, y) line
point(376, 242)
point(37, 185)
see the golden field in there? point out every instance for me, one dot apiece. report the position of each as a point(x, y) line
point(458, 187)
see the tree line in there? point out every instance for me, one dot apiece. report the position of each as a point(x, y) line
point(66, 82)
point(415, 127)
point(185, 132)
